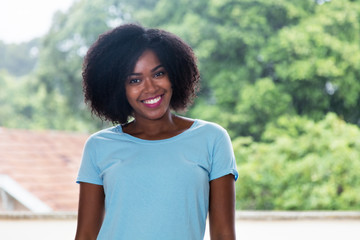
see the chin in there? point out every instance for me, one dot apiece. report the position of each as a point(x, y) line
point(153, 117)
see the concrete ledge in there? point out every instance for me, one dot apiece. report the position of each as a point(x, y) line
point(38, 216)
point(297, 215)
point(240, 215)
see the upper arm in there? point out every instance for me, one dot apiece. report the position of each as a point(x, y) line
point(91, 211)
point(222, 208)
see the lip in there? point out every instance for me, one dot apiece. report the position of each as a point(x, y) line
point(155, 104)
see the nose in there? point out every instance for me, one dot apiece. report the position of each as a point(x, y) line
point(149, 85)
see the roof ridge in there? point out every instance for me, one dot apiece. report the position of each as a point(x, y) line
point(27, 199)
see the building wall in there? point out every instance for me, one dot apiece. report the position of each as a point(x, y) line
point(8, 203)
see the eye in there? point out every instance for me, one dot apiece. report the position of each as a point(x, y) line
point(159, 74)
point(134, 81)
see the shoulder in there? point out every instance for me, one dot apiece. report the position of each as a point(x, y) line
point(104, 134)
point(104, 141)
point(208, 129)
point(210, 126)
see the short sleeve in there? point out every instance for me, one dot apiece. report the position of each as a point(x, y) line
point(88, 171)
point(223, 159)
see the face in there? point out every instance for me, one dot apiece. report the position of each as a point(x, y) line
point(148, 88)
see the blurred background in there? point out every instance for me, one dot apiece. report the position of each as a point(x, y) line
point(283, 77)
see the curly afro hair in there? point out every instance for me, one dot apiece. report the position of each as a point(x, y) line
point(111, 59)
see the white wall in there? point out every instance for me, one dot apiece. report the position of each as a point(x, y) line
point(247, 230)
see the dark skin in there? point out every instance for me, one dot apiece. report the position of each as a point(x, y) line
point(152, 131)
point(222, 208)
point(149, 92)
point(91, 211)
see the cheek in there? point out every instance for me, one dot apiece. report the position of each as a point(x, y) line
point(131, 94)
point(168, 85)
point(170, 89)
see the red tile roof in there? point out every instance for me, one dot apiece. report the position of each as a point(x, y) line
point(45, 163)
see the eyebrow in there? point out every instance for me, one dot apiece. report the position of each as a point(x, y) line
point(152, 70)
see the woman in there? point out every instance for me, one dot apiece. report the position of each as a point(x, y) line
point(155, 175)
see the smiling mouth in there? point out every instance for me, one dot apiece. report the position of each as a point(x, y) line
point(153, 102)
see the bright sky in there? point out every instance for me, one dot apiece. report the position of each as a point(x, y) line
point(23, 20)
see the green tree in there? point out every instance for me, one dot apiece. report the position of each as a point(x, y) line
point(318, 61)
point(308, 49)
point(8, 89)
point(58, 76)
point(258, 59)
point(22, 106)
point(300, 165)
point(19, 59)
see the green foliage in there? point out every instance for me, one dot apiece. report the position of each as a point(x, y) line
point(261, 103)
point(64, 47)
point(300, 165)
point(258, 59)
point(57, 79)
point(308, 49)
point(19, 59)
point(34, 108)
point(51, 96)
point(9, 87)
point(317, 61)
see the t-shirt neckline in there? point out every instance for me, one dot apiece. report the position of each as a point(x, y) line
point(136, 139)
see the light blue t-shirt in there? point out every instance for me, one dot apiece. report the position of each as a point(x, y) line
point(157, 189)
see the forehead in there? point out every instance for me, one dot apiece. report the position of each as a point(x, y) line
point(147, 60)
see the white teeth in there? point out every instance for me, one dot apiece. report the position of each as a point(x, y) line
point(152, 101)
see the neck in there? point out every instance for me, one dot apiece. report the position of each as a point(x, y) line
point(153, 128)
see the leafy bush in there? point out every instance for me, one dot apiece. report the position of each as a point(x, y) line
point(300, 165)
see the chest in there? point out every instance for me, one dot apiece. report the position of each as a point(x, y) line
point(159, 169)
